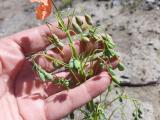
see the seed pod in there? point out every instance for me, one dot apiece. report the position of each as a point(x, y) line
point(115, 80)
point(121, 67)
point(96, 37)
point(74, 64)
point(63, 82)
point(110, 70)
point(48, 76)
point(101, 64)
point(66, 83)
point(133, 114)
point(69, 21)
point(60, 44)
point(76, 28)
point(79, 21)
point(112, 52)
point(85, 39)
point(54, 38)
point(88, 19)
point(90, 73)
point(56, 64)
point(108, 38)
point(109, 52)
point(111, 46)
point(60, 25)
point(136, 118)
point(120, 99)
point(140, 116)
point(71, 115)
point(41, 75)
point(103, 36)
point(92, 31)
point(139, 111)
point(109, 88)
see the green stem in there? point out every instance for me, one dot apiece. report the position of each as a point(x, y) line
point(54, 59)
point(90, 106)
point(74, 52)
point(112, 113)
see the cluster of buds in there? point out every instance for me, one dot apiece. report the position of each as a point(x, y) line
point(81, 66)
point(91, 34)
point(41, 72)
point(88, 35)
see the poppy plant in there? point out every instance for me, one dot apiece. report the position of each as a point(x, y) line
point(94, 53)
point(44, 9)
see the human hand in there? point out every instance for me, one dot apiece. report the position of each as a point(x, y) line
point(23, 95)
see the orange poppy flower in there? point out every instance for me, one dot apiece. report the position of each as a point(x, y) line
point(44, 9)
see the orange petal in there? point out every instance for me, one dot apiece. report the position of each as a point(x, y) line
point(45, 2)
point(43, 10)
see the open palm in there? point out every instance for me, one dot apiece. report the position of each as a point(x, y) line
point(23, 95)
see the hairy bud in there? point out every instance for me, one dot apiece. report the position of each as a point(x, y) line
point(79, 21)
point(76, 28)
point(88, 19)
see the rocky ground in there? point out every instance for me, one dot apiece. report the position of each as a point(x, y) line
point(134, 26)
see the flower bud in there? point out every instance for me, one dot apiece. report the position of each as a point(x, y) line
point(60, 44)
point(88, 19)
point(79, 21)
point(111, 71)
point(76, 28)
point(60, 25)
point(103, 36)
point(97, 37)
point(74, 64)
point(54, 38)
point(85, 39)
point(41, 76)
point(121, 67)
point(108, 39)
point(115, 80)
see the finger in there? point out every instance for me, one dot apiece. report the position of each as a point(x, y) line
point(0, 68)
point(35, 39)
point(74, 98)
point(29, 83)
point(51, 88)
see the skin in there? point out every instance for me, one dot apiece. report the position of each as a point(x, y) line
point(23, 96)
